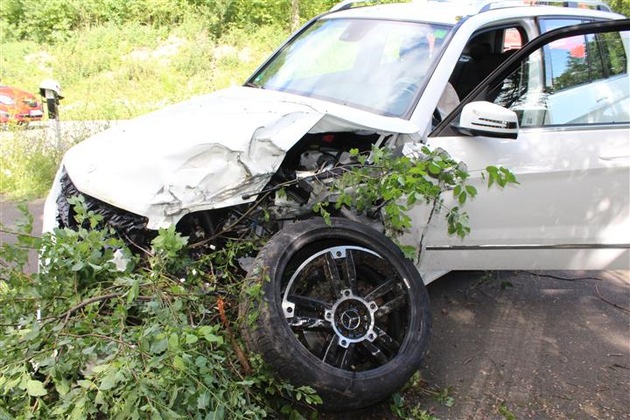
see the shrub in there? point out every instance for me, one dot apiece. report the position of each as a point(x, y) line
point(83, 339)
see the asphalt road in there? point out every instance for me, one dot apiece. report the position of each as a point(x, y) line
point(542, 345)
point(539, 344)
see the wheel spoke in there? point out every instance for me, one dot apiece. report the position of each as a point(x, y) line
point(397, 302)
point(375, 352)
point(305, 302)
point(305, 323)
point(382, 290)
point(337, 355)
point(330, 355)
point(347, 358)
point(332, 274)
point(351, 271)
point(386, 341)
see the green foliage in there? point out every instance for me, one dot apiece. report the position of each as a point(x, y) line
point(444, 397)
point(401, 409)
point(505, 412)
point(112, 72)
point(620, 6)
point(404, 403)
point(499, 176)
point(391, 184)
point(54, 21)
point(137, 343)
point(167, 248)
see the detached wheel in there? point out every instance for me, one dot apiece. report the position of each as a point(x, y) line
point(342, 311)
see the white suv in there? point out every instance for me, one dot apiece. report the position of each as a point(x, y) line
point(343, 310)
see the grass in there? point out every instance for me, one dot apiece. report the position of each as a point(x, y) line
point(110, 73)
point(27, 162)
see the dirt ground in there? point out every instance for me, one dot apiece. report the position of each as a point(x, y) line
point(515, 344)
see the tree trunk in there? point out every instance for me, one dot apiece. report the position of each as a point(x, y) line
point(295, 15)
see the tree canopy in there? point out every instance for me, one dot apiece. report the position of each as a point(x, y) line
point(54, 20)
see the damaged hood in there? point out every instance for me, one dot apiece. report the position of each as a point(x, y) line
point(207, 152)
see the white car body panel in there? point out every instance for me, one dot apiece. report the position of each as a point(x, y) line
point(574, 213)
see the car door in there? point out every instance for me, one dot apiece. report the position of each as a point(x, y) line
point(570, 91)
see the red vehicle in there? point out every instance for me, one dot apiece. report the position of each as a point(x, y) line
point(19, 106)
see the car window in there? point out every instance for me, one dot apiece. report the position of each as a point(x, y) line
point(483, 53)
point(5, 100)
point(370, 64)
point(549, 24)
point(574, 80)
point(512, 39)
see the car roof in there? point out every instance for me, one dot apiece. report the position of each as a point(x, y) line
point(5, 89)
point(450, 12)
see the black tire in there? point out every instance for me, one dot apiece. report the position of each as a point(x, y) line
point(356, 317)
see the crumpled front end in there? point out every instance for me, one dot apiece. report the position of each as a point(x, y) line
point(131, 227)
point(210, 153)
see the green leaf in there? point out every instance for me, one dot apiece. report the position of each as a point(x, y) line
point(109, 381)
point(78, 412)
point(207, 332)
point(409, 251)
point(78, 266)
point(179, 363)
point(472, 191)
point(173, 342)
point(63, 387)
point(159, 346)
point(101, 368)
point(133, 291)
point(434, 169)
point(99, 399)
point(212, 338)
point(35, 388)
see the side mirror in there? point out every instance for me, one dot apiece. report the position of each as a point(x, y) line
point(487, 119)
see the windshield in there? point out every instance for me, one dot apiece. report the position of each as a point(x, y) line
point(374, 65)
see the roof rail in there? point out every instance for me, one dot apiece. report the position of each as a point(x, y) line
point(485, 5)
point(498, 4)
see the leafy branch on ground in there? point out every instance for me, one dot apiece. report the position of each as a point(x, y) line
point(403, 405)
point(82, 339)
